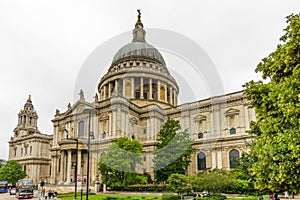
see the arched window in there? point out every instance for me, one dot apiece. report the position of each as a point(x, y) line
point(233, 155)
point(232, 131)
point(81, 129)
point(200, 135)
point(201, 160)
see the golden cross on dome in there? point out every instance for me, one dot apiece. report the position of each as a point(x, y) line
point(139, 15)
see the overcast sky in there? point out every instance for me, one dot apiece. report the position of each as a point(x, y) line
point(43, 44)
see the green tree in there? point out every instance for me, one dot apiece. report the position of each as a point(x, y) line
point(12, 172)
point(173, 151)
point(179, 183)
point(277, 105)
point(118, 165)
point(213, 181)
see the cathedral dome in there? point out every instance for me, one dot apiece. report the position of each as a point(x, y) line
point(139, 73)
point(138, 50)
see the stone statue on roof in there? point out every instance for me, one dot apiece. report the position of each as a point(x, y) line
point(81, 95)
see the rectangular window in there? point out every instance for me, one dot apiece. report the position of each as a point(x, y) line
point(81, 129)
point(59, 164)
point(145, 130)
point(137, 95)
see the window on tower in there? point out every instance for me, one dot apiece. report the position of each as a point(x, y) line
point(232, 131)
point(200, 135)
point(81, 129)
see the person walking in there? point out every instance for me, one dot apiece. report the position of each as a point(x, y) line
point(286, 194)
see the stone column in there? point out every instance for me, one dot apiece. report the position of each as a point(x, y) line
point(171, 96)
point(246, 114)
point(109, 89)
point(213, 159)
point(113, 120)
point(132, 88)
point(142, 89)
point(104, 88)
point(220, 158)
point(69, 166)
point(79, 163)
point(148, 129)
point(127, 123)
point(118, 125)
point(123, 123)
point(116, 87)
point(123, 87)
point(175, 98)
point(158, 90)
point(54, 169)
point(150, 89)
point(62, 160)
point(166, 89)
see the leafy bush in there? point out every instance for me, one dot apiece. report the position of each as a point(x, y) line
point(170, 197)
point(214, 197)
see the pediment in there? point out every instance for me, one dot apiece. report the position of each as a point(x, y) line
point(133, 120)
point(104, 117)
point(232, 112)
point(199, 118)
point(78, 108)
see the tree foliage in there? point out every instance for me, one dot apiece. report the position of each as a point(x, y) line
point(12, 172)
point(179, 183)
point(276, 149)
point(118, 165)
point(173, 152)
point(221, 181)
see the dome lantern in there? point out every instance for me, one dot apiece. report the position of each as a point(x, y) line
point(138, 32)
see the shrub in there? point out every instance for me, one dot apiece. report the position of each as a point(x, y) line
point(170, 197)
point(214, 197)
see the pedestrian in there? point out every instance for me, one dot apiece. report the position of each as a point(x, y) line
point(271, 197)
point(276, 196)
point(286, 194)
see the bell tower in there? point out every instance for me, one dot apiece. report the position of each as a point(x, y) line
point(27, 119)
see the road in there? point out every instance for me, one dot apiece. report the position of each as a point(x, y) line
point(6, 196)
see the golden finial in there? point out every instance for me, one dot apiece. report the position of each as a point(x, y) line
point(139, 15)
point(29, 97)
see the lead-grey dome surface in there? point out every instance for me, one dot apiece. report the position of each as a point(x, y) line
point(141, 50)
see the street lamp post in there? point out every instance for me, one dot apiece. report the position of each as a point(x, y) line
point(75, 139)
point(90, 112)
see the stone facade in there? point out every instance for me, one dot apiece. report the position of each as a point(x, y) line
point(134, 99)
